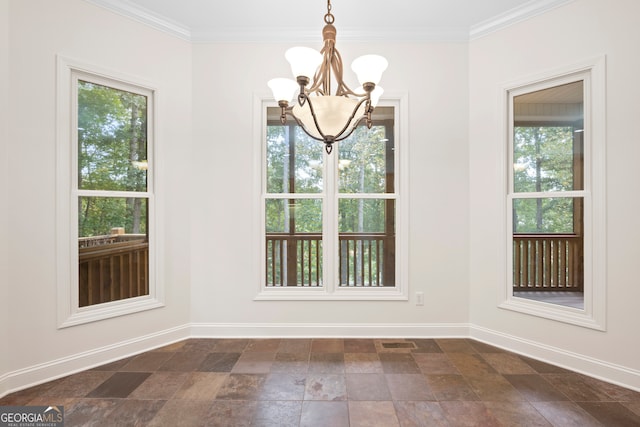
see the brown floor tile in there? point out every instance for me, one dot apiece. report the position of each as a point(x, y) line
point(426, 346)
point(325, 387)
point(435, 363)
point(241, 387)
point(324, 414)
point(225, 413)
point(543, 367)
point(327, 346)
point(423, 414)
point(254, 363)
point(114, 366)
point(359, 346)
point(91, 412)
point(633, 407)
point(469, 414)
point(77, 385)
point(516, 414)
point(535, 388)
point(330, 363)
point(409, 387)
point(450, 387)
point(201, 386)
point(577, 387)
point(132, 412)
point(362, 363)
point(184, 361)
point(333, 382)
point(611, 413)
point(367, 387)
point(120, 384)
point(471, 365)
point(293, 363)
point(566, 414)
point(494, 387)
point(277, 413)
point(263, 345)
point(398, 363)
point(147, 362)
point(204, 345)
point(229, 345)
point(219, 362)
point(178, 412)
point(455, 346)
point(363, 414)
point(507, 363)
point(481, 347)
point(160, 385)
point(283, 387)
point(295, 346)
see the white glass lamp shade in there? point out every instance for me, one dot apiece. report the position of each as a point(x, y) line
point(375, 95)
point(332, 113)
point(283, 89)
point(304, 61)
point(369, 68)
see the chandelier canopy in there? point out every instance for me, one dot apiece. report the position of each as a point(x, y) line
point(324, 116)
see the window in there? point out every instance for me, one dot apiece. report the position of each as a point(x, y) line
point(331, 222)
point(553, 199)
point(107, 199)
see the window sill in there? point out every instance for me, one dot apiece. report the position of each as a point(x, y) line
point(321, 294)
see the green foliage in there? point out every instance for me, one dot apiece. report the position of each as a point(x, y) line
point(543, 162)
point(112, 156)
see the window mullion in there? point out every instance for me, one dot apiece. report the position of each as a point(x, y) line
point(330, 222)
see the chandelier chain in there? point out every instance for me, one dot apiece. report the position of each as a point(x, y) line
point(329, 18)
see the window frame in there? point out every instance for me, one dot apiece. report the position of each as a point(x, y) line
point(69, 72)
point(331, 289)
point(593, 315)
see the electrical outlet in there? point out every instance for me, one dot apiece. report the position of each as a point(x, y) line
point(419, 298)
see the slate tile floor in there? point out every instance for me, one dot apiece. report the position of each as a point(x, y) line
point(333, 382)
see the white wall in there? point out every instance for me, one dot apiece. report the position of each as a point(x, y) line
point(76, 29)
point(225, 277)
point(580, 30)
point(4, 162)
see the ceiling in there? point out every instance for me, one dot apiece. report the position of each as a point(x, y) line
point(363, 20)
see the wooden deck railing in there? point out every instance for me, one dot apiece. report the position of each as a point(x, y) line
point(547, 262)
point(112, 268)
point(366, 259)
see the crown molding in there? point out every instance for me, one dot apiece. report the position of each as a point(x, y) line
point(513, 16)
point(145, 16)
point(269, 35)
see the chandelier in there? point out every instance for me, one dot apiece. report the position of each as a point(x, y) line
point(323, 116)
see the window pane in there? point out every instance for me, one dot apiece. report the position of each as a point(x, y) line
point(112, 139)
point(366, 163)
point(548, 139)
point(544, 159)
point(367, 242)
point(294, 242)
point(549, 256)
point(366, 215)
point(113, 249)
point(547, 215)
point(294, 161)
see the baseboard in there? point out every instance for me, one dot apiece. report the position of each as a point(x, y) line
point(324, 330)
point(609, 372)
point(34, 375)
point(44, 372)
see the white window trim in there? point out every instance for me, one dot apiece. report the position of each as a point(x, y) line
point(593, 315)
point(69, 312)
point(330, 290)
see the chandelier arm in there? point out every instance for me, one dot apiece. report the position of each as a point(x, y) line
point(366, 116)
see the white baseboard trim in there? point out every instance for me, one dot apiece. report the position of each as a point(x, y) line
point(318, 330)
point(48, 371)
point(37, 374)
point(605, 371)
